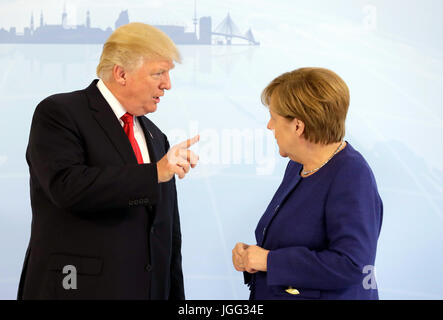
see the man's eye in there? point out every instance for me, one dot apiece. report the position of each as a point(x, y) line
point(157, 75)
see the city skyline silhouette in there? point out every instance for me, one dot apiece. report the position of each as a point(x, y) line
point(87, 34)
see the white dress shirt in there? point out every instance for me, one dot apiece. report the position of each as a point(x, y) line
point(119, 111)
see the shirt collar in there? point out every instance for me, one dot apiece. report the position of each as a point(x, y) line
point(115, 105)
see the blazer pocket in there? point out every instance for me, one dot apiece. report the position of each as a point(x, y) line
point(84, 265)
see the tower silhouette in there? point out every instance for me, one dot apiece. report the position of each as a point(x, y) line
point(31, 25)
point(195, 21)
point(123, 18)
point(64, 17)
point(41, 19)
point(88, 20)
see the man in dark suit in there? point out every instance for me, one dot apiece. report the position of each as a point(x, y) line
point(105, 221)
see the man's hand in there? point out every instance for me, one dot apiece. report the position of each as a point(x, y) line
point(177, 161)
point(250, 258)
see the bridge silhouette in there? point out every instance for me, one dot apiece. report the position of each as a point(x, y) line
point(228, 29)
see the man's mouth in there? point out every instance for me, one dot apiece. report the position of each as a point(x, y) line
point(156, 99)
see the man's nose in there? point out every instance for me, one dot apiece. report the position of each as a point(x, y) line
point(166, 82)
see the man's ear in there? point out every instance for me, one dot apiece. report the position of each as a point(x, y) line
point(119, 74)
point(298, 126)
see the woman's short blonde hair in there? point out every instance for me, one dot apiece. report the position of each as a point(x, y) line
point(130, 44)
point(316, 96)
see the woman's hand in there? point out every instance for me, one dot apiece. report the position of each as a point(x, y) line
point(237, 259)
point(249, 258)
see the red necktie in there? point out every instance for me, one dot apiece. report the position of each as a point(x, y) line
point(128, 120)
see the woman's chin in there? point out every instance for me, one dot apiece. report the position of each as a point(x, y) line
point(282, 153)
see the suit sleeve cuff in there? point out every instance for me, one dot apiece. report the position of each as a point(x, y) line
point(274, 270)
point(149, 193)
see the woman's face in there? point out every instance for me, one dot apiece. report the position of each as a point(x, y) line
point(284, 132)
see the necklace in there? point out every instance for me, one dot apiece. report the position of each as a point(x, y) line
point(305, 173)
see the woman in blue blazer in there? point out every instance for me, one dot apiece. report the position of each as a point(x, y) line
point(318, 237)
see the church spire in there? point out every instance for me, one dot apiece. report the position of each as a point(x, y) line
point(64, 17)
point(88, 20)
point(31, 26)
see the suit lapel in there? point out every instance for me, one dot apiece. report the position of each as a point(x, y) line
point(107, 120)
point(151, 140)
point(287, 186)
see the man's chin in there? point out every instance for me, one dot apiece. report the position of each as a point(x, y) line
point(150, 109)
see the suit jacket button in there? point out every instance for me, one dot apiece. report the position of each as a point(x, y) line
point(148, 267)
point(292, 291)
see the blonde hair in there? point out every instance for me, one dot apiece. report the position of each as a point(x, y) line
point(316, 96)
point(130, 44)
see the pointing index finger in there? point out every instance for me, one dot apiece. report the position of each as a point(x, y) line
point(188, 143)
